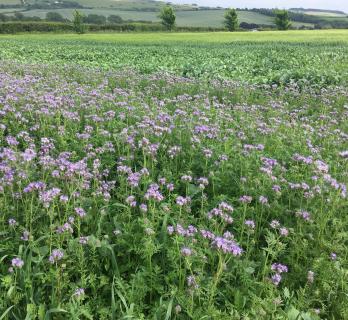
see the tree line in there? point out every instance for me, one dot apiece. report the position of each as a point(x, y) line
point(57, 17)
point(282, 20)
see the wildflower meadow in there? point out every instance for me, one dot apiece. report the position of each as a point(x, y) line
point(132, 195)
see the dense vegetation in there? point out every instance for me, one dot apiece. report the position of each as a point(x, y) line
point(187, 180)
point(249, 61)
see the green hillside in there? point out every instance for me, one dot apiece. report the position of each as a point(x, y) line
point(147, 10)
point(320, 13)
point(204, 18)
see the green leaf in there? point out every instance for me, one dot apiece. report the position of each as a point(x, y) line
point(169, 310)
point(293, 313)
point(6, 312)
point(55, 310)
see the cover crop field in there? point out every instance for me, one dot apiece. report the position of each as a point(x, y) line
point(174, 176)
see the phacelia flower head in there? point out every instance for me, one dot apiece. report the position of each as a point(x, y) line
point(17, 263)
point(55, 256)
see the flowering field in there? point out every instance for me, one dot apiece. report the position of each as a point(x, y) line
point(126, 195)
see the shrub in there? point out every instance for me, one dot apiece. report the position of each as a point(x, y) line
point(19, 26)
point(79, 26)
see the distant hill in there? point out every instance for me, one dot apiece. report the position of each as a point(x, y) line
point(319, 12)
point(189, 15)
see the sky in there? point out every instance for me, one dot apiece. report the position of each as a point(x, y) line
point(283, 4)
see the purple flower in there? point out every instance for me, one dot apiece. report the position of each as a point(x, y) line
point(284, 232)
point(143, 207)
point(79, 292)
point(131, 201)
point(55, 256)
point(225, 207)
point(12, 141)
point(133, 179)
point(191, 282)
point(12, 222)
point(65, 228)
point(63, 198)
point(153, 193)
point(304, 215)
point(28, 155)
point(170, 230)
point(83, 240)
point(25, 235)
point(250, 224)
point(207, 234)
point(170, 187)
point(181, 201)
point(186, 252)
point(279, 268)
point(186, 178)
point(344, 154)
point(245, 199)
point(263, 200)
point(276, 278)
point(227, 246)
point(80, 212)
point(17, 263)
point(276, 189)
point(274, 224)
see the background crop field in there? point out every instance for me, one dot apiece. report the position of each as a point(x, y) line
point(256, 57)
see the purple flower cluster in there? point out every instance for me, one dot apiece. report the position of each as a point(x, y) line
point(55, 256)
point(278, 268)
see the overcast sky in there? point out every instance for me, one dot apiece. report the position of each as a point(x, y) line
point(320, 4)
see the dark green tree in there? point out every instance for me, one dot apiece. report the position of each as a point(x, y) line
point(95, 19)
point(231, 20)
point(168, 17)
point(79, 26)
point(114, 19)
point(54, 16)
point(282, 20)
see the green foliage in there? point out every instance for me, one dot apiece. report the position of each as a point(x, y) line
point(54, 16)
point(282, 20)
point(114, 19)
point(78, 23)
point(94, 19)
point(231, 20)
point(168, 17)
point(298, 57)
point(43, 26)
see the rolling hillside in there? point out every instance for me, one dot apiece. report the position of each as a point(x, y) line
point(320, 13)
point(147, 10)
